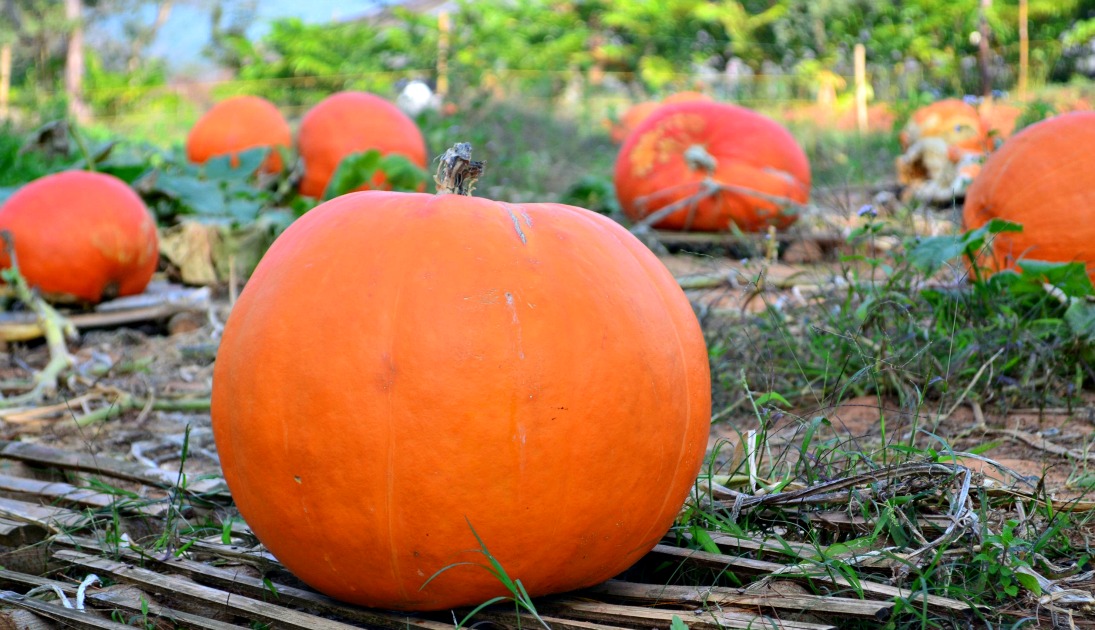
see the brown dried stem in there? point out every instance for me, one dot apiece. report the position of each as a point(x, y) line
point(457, 172)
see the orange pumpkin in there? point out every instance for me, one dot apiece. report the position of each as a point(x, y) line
point(237, 124)
point(1039, 178)
point(81, 236)
point(954, 120)
point(670, 156)
point(351, 122)
point(404, 367)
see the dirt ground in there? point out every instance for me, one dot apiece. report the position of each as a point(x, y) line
point(156, 362)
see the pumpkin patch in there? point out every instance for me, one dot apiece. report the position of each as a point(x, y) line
point(709, 157)
point(81, 236)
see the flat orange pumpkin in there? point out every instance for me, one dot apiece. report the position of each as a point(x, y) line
point(657, 167)
point(1041, 179)
point(352, 122)
point(403, 365)
point(238, 124)
point(81, 236)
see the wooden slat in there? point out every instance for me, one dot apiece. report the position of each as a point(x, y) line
point(68, 617)
point(748, 566)
point(54, 519)
point(247, 586)
point(178, 588)
point(659, 618)
point(20, 534)
point(68, 495)
point(722, 596)
point(125, 598)
point(40, 455)
point(726, 541)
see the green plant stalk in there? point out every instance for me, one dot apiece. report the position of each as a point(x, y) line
point(127, 403)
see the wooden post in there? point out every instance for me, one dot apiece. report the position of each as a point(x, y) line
point(983, 49)
point(1024, 50)
point(74, 62)
point(443, 26)
point(5, 79)
point(861, 87)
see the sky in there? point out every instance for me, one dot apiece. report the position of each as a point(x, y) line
point(187, 31)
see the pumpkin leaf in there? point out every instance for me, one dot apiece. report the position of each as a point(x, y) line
point(1069, 277)
point(197, 196)
point(353, 171)
point(249, 161)
point(1080, 317)
point(929, 254)
point(401, 173)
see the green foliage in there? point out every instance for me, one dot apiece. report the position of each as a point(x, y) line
point(357, 169)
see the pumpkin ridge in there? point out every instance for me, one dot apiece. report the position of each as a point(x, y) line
point(660, 287)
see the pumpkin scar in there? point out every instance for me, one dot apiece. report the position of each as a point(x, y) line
point(516, 322)
point(517, 225)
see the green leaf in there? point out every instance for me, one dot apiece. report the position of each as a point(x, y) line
point(220, 167)
point(1029, 582)
point(1080, 317)
point(704, 540)
point(1070, 277)
point(677, 624)
point(353, 171)
point(930, 253)
point(772, 397)
point(200, 197)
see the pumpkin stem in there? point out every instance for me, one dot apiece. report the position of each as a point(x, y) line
point(456, 171)
point(697, 158)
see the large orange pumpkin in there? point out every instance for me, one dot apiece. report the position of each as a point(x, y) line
point(954, 120)
point(81, 236)
point(351, 122)
point(670, 156)
point(237, 124)
point(404, 367)
point(1040, 178)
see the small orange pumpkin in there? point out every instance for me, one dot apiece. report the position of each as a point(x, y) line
point(351, 122)
point(81, 236)
point(670, 156)
point(237, 124)
point(1040, 178)
point(404, 367)
point(954, 120)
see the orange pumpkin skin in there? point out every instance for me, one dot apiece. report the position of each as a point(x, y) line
point(639, 112)
point(954, 120)
point(1040, 178)
point(81, 236)
point(750, 150)
point(237, 124)
point(351, 122)
point(538, 374)
point(999, 119)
